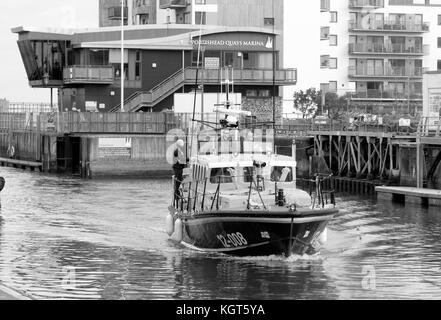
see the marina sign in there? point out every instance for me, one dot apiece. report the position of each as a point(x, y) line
point(236, 41)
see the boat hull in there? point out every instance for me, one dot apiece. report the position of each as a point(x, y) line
point(255, 234)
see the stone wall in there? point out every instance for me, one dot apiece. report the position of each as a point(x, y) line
point(263, 108)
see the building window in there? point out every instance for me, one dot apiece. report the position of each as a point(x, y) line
point(251, 93)
point(333, 16)
point(268, 21)
point(439, 19)
point(324, 5)
point(332, 86)
point(333, 40)
point(187, 18)
point(324, 33)
point(138, 65)
point(438, 65)
point(324, 62)
point(201, 16)
point(333, 63)
point(142, 19)
point(264, 93)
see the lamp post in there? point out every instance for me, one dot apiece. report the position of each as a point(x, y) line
point(122, 55)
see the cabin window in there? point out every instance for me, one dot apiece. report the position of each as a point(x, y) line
point(248, 174)
point(282, 174)
point(224, 174)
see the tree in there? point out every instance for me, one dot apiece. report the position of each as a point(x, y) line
point(335, 105)
point(307, 102)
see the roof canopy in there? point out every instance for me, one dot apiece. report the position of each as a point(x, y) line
point(159, 37)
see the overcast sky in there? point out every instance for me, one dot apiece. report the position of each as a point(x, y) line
point(84, 13)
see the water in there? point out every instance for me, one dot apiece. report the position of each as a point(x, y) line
point(62, 238)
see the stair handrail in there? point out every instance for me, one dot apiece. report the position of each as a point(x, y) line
point(138, 93)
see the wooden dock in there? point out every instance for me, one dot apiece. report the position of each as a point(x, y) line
point(5, 162)
point(420, 196)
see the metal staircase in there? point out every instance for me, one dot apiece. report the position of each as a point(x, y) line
point(188, 76)
point(150, 98)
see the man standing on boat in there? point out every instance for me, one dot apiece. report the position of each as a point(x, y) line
point(179, 163)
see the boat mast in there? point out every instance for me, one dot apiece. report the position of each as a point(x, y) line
point(196, 88)
point(122, 55)
point(274, 79)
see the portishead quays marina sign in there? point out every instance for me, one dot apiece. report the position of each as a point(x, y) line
point(236, 41)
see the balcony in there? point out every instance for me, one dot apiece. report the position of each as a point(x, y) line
point(389, 26)
point(362, 4)
point(388, 72)
point(387, 48)
point(88, 75)
point(114, 13)
point(246, 77)
point(387, 95)
point(172, 4)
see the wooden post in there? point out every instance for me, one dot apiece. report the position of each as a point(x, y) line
point(348, 148)
point(359, 157)
point(369, 158)
point(330, 153)
point(420, 164)
point(391, 157)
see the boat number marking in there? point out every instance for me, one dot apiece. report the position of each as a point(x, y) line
point(233, 240)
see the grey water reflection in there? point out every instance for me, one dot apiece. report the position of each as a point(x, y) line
point(62, 238)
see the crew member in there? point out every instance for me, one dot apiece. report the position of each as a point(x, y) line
point(179, 163)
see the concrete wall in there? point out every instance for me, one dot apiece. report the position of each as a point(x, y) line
point(408, 166)
point(432, 94)
point(147, 159)
point(27, 145)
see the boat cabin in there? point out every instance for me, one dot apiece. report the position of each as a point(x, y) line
point(237, 172)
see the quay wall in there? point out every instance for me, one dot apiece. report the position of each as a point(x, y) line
point(408, 166)
point(146, 158)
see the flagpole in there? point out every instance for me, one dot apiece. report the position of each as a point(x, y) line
point(122, 56)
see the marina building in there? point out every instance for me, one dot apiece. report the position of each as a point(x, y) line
point(378, 50)
point(238, 42)
point(160, 61)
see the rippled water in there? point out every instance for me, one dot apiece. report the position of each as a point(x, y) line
point(62, 238)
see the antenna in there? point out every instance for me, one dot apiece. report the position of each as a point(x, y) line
point(274, 77)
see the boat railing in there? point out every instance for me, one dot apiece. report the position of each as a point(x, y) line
point(194, 197)
point(321, 197)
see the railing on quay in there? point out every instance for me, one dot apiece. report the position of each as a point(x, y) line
point(429, 127)
point(162, 123)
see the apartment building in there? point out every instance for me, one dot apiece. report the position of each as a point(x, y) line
point(379, 49)
point(256, 13)
point(259, 14)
